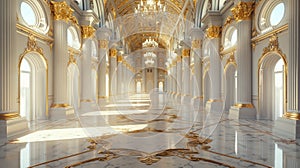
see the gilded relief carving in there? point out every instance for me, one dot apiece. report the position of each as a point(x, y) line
point(243, 10)
point(213, 32)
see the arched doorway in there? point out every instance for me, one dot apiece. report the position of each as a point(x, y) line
point(272, 82)
point(73, 85)
point(33, 79)
point(230, 85)
point(138, 87)
point(161, 86)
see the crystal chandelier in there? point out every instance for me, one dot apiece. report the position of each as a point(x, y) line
point(150, 6)
point(150, 54)
point(149, 43)
point(149, 62)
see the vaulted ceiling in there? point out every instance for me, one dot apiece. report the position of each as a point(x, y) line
point(135, 29)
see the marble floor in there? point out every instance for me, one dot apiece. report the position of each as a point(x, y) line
point(149, 131)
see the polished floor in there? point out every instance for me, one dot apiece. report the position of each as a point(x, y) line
point(149, 131)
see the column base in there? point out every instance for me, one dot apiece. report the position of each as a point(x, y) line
point(287, 128)
point(11, 124)
point(3, 130)
point(242, 111)
point(63, 111)
point(102, 100)
point(214, 106)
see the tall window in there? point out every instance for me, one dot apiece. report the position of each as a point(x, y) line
point(25, 92)
point(278, 88)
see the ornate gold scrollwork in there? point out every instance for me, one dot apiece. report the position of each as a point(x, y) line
point(87, 31)
point(213, 32)
point(186, 52)
point(273, 45)
point(243, 10)
point(61, 11)
point(32, 46)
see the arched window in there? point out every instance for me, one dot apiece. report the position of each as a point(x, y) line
point(272, 14)
point(72, 38)
point(32, 14)
point(230, 38)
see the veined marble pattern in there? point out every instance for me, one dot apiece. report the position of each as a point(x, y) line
point(137, 132)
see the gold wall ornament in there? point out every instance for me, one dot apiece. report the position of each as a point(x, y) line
point(103, 44)
point(72, 59)
point(213, 32)
point(273, 45)
point(61, 11)
point(178, 58)
point(32, 46)
point(243, 10)
point(185, 52)
point(87, 31)
point(196, 43)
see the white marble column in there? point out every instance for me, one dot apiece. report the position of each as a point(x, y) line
point(197, 36)
point(8, 67)
point(87, 101)
point(179, 77)
point(214, 104)
point(113, 72)
point(60, 107)
point(103, 35)
point(174, 77)
point(289, 125)
point(186, 97)
point(244, 108)
point(120, 75)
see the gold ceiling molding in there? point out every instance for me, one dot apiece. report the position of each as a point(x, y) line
point(87, 31)
point(243, 10)
point(185, 52)
point(103, 44)
point(213, 32)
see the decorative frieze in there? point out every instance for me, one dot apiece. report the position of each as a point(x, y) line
point(243, 10)
point(213, 32)
point(87, 31)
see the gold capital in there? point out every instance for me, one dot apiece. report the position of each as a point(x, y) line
point(87, 31)
point(186, 52)
point(120, 58)
point(213, 32)
point(113, 52)
point(61, 11)
point(103, 44)
point(196, 44)
point(242, 11)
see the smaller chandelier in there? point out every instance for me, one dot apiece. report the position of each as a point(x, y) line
point(150, 55)
point(149, 62)
point(150, 6)
point(150, 43)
